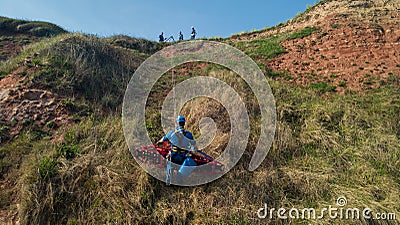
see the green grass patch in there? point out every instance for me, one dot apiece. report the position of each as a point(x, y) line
point(273, 74)
point(334, 75)
point(68, 151)
point(78, 107)
point(262, 67)
point(47, 168)
point(262, 49)
point(342, 83)
point(322, 87)
point(393, 79)
point(27, 122)
point(284, 74)
point(303, 33)
point(335, 26)
point(3, 74)
point(4, 133)
point(51, 124)
point(271, 47)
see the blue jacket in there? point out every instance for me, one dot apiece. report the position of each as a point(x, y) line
point(180, 138)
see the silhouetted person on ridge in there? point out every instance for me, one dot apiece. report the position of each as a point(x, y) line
point(161, 37)
point(180, 36)
point(193, 34)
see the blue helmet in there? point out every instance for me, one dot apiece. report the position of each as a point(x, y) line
point(180, 119)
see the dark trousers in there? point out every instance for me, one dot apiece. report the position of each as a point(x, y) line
point(178, 157)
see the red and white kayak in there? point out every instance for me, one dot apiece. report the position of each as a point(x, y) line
point(155, 156)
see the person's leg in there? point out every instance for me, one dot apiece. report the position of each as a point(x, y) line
point(186, 169)
point(177, 158)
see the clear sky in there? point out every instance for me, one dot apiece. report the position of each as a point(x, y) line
point(148, 18)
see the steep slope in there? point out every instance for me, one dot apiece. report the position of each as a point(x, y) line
point(59, 74)
point(83, 173)
point(14, 34)
point(54, 82)
point(354, 45)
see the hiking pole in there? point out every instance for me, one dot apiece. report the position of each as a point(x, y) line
point(168, 170)
point(170, 38)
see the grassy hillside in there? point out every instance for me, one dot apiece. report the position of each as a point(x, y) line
point(320, 152)
point(15, 34)
point(78, 170)
point(36, 28)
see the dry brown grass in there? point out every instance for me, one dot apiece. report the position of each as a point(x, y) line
point(324, 147)
point(317, 156)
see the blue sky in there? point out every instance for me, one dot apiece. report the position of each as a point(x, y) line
point(148, 18)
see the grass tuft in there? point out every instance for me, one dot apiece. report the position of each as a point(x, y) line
point(47, 168)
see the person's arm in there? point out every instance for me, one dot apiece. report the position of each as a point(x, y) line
point(165, 138)
point(160, 141)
